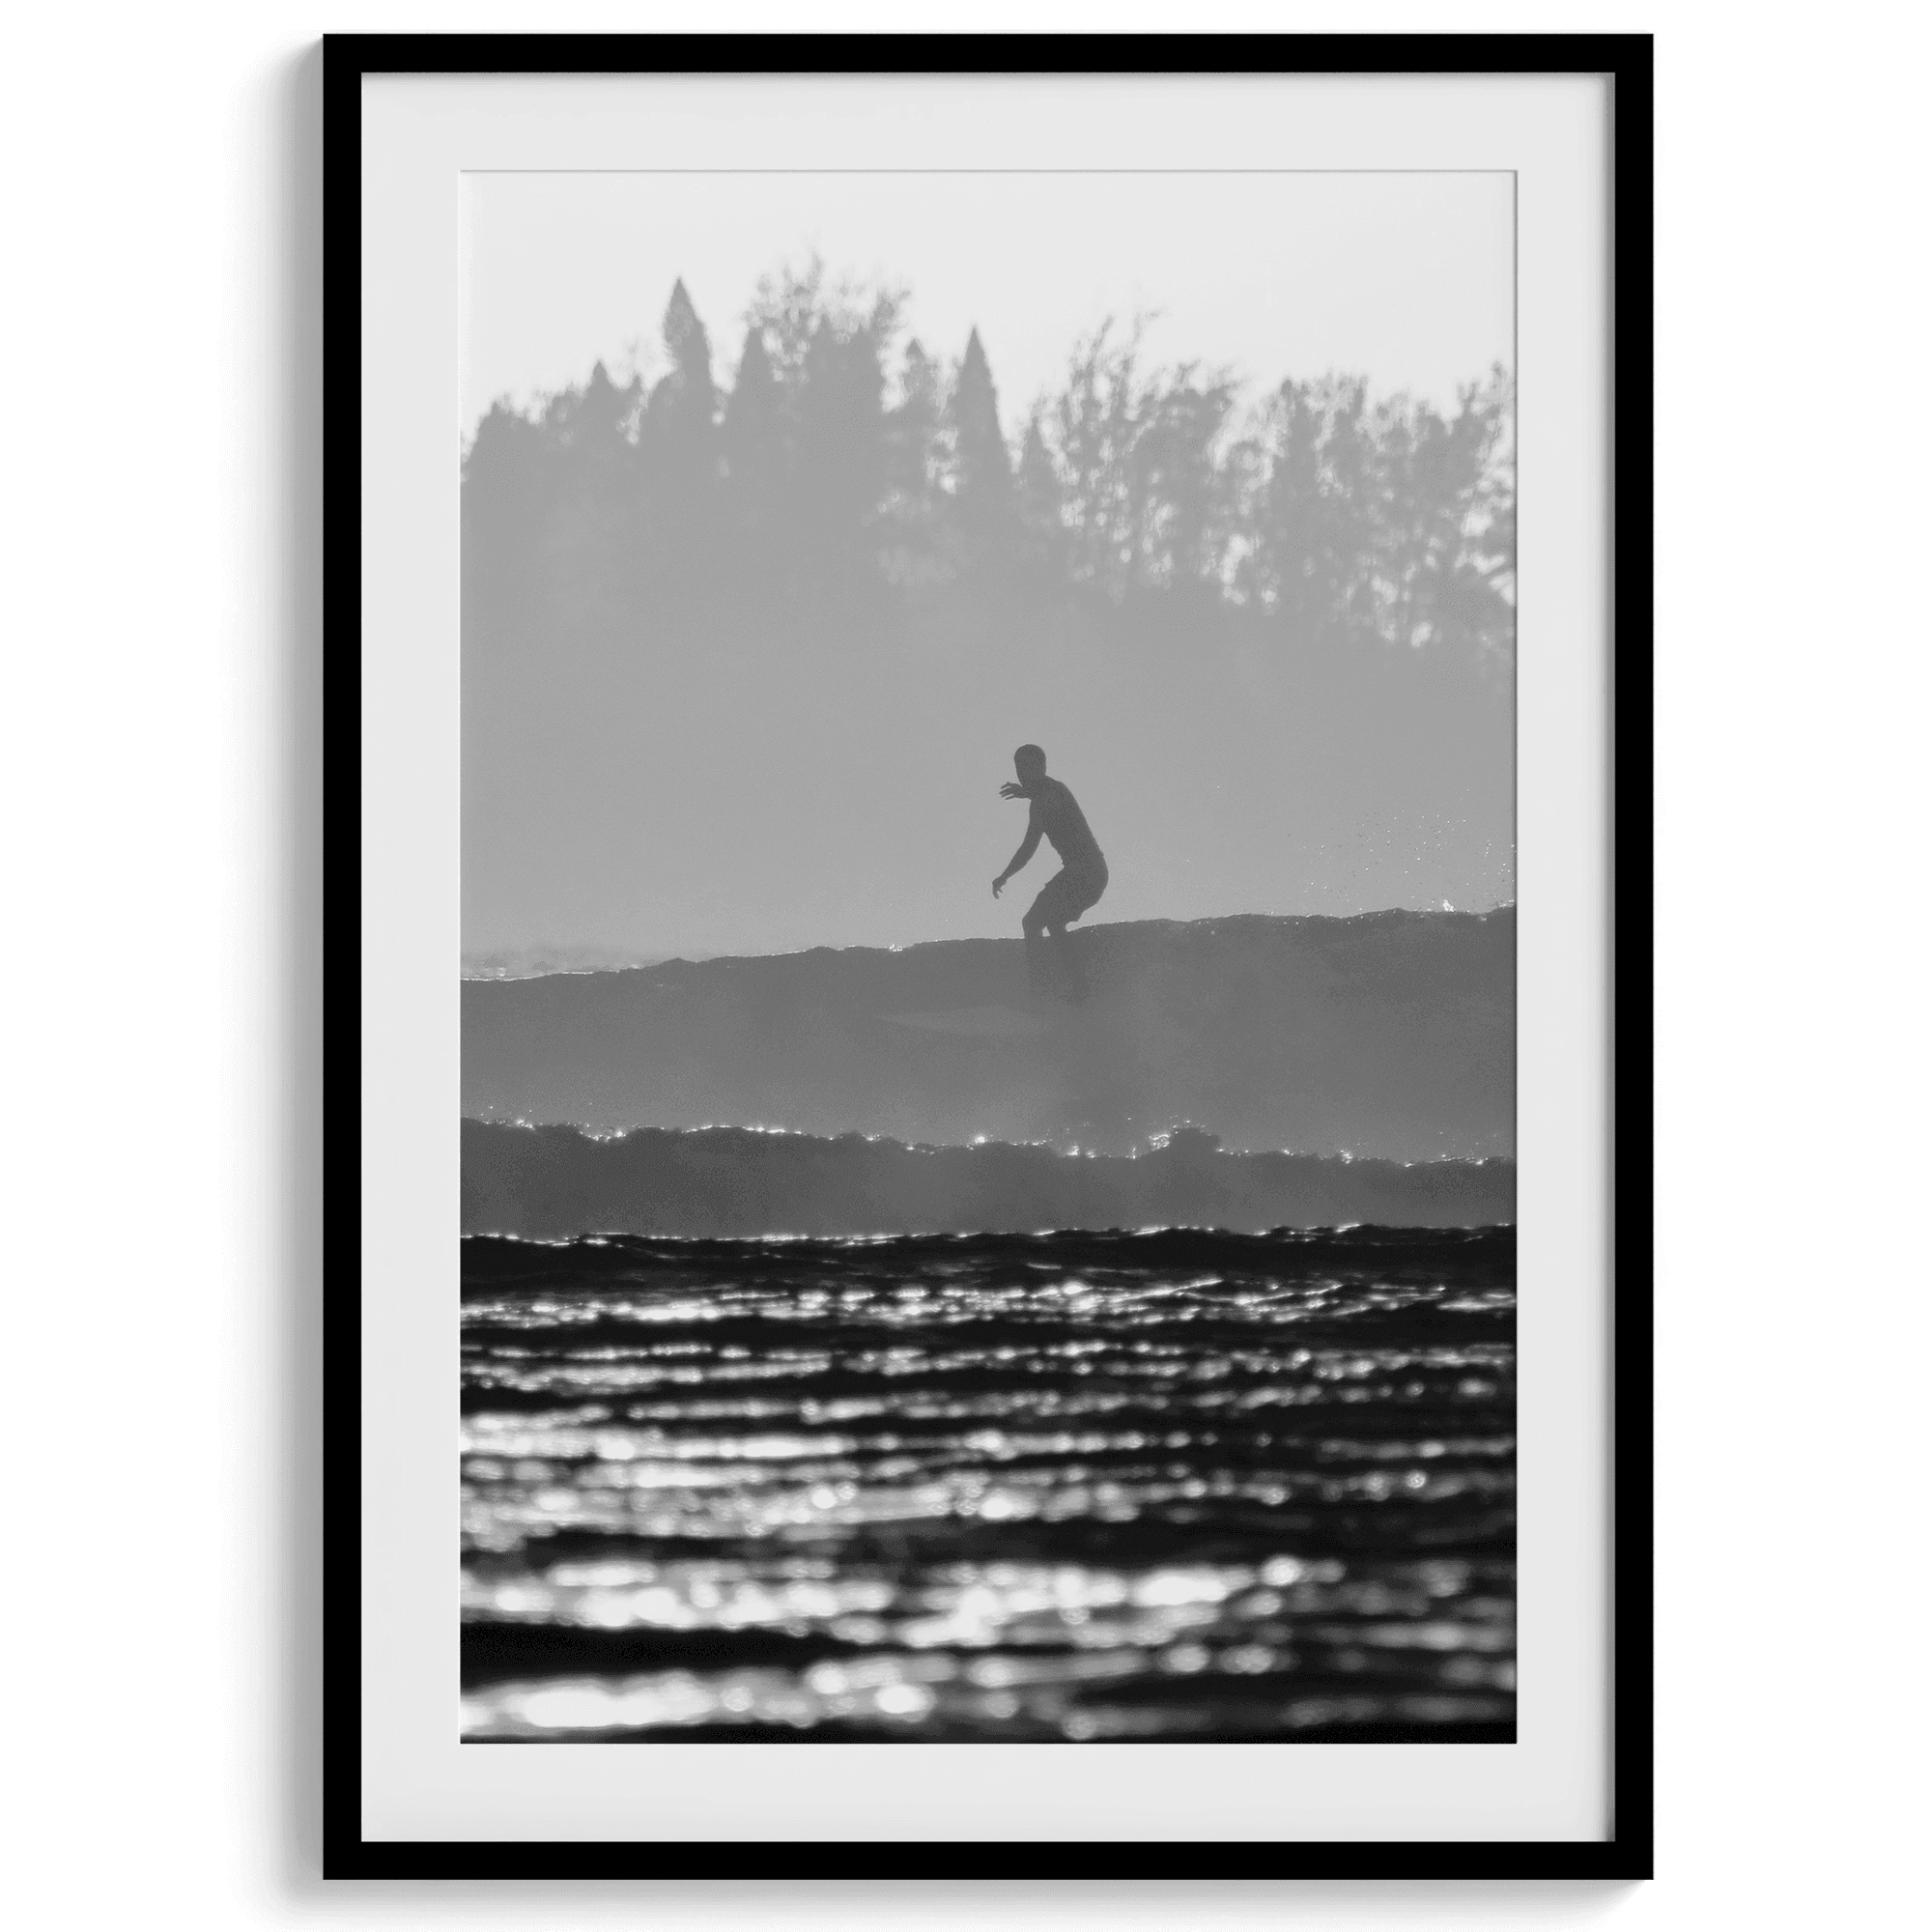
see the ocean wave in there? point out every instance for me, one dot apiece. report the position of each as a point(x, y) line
point(551, 1181)
point(1391, 1254)
point(1391, 1033)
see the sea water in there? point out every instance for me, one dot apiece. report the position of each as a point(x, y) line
point(1173, 1485)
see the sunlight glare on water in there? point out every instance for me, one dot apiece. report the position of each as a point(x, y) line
point(1081, 1487)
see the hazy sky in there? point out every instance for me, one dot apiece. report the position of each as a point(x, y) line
point(1407, 278)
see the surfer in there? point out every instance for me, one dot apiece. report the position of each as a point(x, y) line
point(1075, 888)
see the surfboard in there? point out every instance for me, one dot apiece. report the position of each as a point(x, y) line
point(976, 1023)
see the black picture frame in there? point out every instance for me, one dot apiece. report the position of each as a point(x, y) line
point(1627, 61)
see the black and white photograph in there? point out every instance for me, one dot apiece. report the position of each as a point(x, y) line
point(988, 958)
point(888, 885)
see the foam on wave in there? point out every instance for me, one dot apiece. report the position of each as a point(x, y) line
point(556, 1182)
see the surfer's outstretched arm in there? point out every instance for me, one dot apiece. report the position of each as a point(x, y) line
point(1029, 845)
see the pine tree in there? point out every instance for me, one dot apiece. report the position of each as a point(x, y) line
point(908, 552)
point(594, 429)
point(841, 479)
point(1346, 512)
point(1183, 483)
point(1097, 421)
point(983, 481)
point(683, 406)
point(1040, 504)
point(508, 484)
point(1285, 567)
point(915, 425)
point(690, 349)
point(753, 440)
point(678, 451)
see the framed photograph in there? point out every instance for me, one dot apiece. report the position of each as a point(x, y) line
point(990, 1079)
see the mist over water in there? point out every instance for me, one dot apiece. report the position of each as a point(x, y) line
point(1080, 1486)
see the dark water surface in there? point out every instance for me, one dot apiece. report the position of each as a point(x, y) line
point(1164, 1486)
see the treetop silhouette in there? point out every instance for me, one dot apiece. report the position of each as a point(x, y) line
point(844, 456)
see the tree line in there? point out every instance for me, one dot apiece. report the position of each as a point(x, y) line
point(844, 457)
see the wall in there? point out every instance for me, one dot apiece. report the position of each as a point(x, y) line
point(160, 342)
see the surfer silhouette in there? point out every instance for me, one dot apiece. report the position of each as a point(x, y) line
point(1074, 889)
